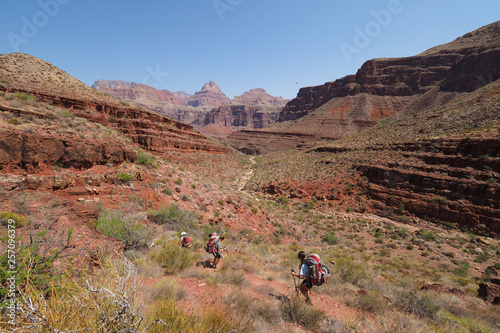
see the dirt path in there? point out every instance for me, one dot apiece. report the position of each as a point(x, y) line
point(247, 175)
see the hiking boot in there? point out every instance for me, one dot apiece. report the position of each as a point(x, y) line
point(308, 301)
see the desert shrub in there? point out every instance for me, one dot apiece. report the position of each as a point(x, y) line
point(460, 324)
point(174, 319)
point(350, 271)
point(174, 217)
point(171, 256)
point(462, 270)
point(107, 302)
point(402, 232)
point(296, 310)
point(416, 303)
point(178, 181)
point(146, 159)
point(19, 220)
point(233, 278)
point(134, 235)
point(124, 178)
point(255, 310)
point(166, 289)
point(167, 191)
point(330, 239)
point(34, 260)
point(427, 235)
point(371, 302)
point(14, 121)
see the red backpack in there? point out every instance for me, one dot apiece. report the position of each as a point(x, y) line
point(210, 247)
point(185, 241)
point(313, 261)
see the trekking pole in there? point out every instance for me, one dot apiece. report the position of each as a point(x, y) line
point(295, 283)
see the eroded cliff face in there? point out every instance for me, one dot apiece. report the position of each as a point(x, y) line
point(209, 95)
point(384, 87)
point(132, 91)
point(445, 180)
point(209, 108)
point(469, 62)
point(147, 129)
point(250, 116)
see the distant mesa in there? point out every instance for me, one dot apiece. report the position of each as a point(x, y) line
point(209, 95)
point(208, 110)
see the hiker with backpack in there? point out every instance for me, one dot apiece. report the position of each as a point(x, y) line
point(214, 247)
point(185, 242)
point(312, 271)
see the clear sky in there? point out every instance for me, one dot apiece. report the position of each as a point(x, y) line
point(278, 45)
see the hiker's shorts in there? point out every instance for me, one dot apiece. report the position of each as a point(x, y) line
point(308, 284)
point(218, 255)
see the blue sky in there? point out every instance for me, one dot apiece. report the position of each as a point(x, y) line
point(278, 45)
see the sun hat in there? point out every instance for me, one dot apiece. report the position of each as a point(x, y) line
point(183, 233)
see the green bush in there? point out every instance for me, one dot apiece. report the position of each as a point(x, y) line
point(146, 159)
point(134, 235)
point(14, 121)
point(124, 178)
point(25, 98)
point(330, 239)
point(175, 217)
point(297, 311)
point(417, 304)
point(171, 256)
point(19, 220)
point(371, 302)
point(350, 271)
point(402, 232)
point(427, 235)
point(462, 270)
point(34, 261)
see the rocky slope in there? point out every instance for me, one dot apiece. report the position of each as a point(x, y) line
point(383, 87)
point(149, 130)
point(439, 164)
point(207, 110)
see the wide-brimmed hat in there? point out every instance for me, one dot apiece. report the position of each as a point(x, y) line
point(183, 233)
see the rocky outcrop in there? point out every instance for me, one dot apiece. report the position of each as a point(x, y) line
point(248, 116)
point(149, 130)
point(452, 181)
point(31, 150)
point(210, 95)
point(261, 139)
point(258, 95)
point(467, 63)
point(133, 91)
point(203, 108)
point(384, 87)
point(490, 291)
point(473, 72)
point(380, 77)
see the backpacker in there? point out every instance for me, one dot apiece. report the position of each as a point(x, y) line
point(185, 241)
point(211, 245)
point(316, 276)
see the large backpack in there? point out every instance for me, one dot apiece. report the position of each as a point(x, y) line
point(211, 245)
point(316, 276)
point(185, 241)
